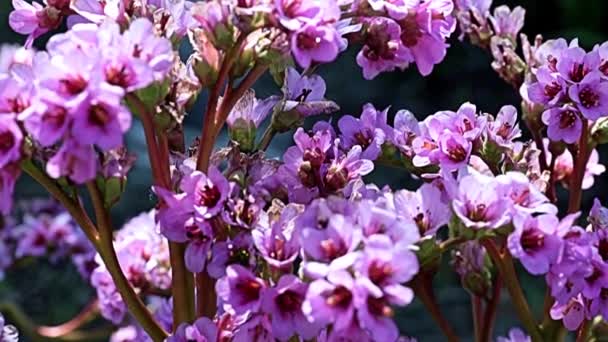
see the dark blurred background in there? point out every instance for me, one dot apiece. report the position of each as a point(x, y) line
point(53, 294)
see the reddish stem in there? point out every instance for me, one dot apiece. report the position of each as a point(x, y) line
point(491, 310)
point(86, 315)
point(478, 319)
point(423, 288)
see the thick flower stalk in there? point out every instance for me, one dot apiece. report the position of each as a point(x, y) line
point(244, 247)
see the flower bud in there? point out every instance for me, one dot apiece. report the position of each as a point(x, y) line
point(205, 61)
point(507, 63)
point(243, 132)
point(599, 132)
point(429, 255)
point(214, 17)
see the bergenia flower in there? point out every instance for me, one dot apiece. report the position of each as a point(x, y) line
point(305, 94)
point(564, 124)
point(10, 141)
point(591, 96)
point(284, 303)
point(515, 335)
point(370, 131)
point(535, 242)
point(383, 50)
point(504, 128)
point(478, 203)
point(240, 290)
point(507, 23)
point(425, 207)
point(330, 300)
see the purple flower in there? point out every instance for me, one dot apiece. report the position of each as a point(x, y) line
point(208, 193)
point(591, 96)
point(424, 30)
point(369, 131)
point(343, 170)
point(406, 130)
point(383, 50)
point(388, 265)
point(330, 301)
point(278, 245)
point(74, 160)
point(33, 19)
point(572, 313)
point(203, 330)
point(197, 251)
point(315, 43)
point(564, 123)
point(240, 290)
point(397, 9)
point(574, 64)
point(478, 203)
point(8, 178)
point(257, 328)
point(453, 152)
point(374, 312)
point(10, 141)
point(293, 14)
point(249, 111)
point(515, 335)
point(102, 120)
point(549, 89)
point(284, 303)
point(142, 43)
point(425, 207)
point(598, 217)
point(232, 251)
point(46, 119)
point(338, 238)
point(304, 94)
point(504, 129)
point(524, 196)
point(507, 23)
point(535, 242)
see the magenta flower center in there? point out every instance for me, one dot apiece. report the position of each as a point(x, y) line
point(194, 232)
point(306, 41)
point(578, 72)
point(457, 153)
point(603, 249)
point(504, 130)
point(336, 178)
point(589, 98)
point(307, 175)
point(410, 32)
point(363, 138)
point(477, 213)
point(604, 67)
point(99, 116)
point(532, 240)
point(332, 249)
point(567, 119)
point(119, 76)
point(18, 104)
point(378, 44)
point(378, 307)
point(74, 85)
point(208, 196)
point(314, 156)
point(552, 89)
point(341, 297)
point(379, 272)
point(289, 301)
point(55, 116)
point(7, 141)
point(249, 289)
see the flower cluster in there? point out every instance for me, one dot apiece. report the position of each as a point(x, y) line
point(43, 229)
point(571, 85)
point(69, 99)
point(143, 255)
point(302, 246)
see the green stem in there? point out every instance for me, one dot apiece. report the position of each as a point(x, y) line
point(269, 134)
point(106, 250)
point(504, 262)
point(72, 205)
